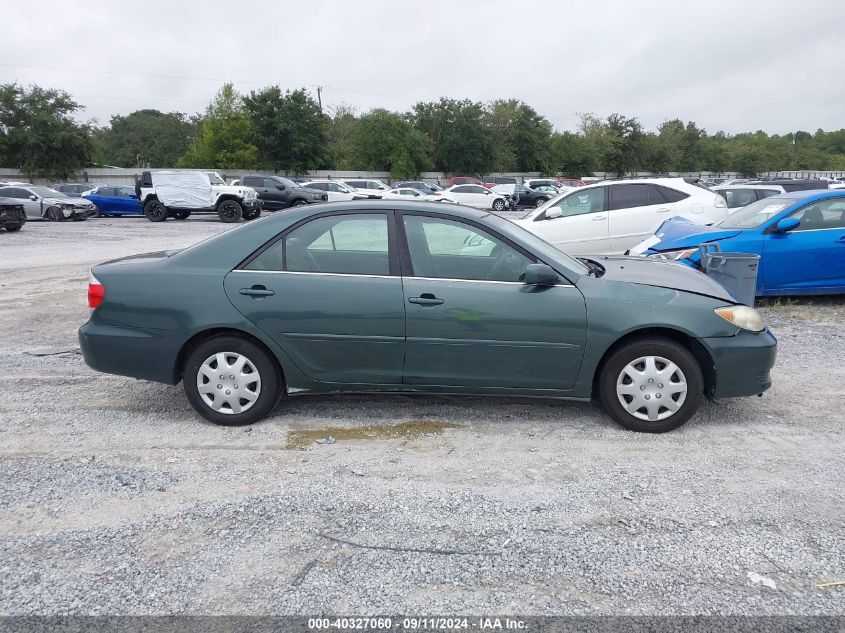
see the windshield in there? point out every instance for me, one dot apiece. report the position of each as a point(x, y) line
point(46, 192)
point(214, 179)
point(537, 244)
point(755, 214)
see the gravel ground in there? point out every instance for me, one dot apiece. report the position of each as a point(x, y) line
point(115, 498)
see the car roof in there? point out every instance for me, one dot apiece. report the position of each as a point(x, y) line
point(745, 186)
point(813, 193)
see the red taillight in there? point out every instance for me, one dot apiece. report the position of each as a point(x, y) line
point(96, 292)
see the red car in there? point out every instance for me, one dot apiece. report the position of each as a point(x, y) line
point(465, 180)
point(571, 182)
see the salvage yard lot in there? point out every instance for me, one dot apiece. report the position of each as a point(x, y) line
point(117, 498)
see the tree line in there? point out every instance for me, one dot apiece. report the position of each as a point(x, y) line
point(277, 130)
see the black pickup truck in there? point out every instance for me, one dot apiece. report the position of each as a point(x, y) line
point(12, 215)
point(277, 192)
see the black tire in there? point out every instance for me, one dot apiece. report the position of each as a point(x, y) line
point(97, 212)
point(252, 215)
point(498, 204)
point(55, 215)
point(155, 211)
point(298, 202)
point(181, 215)
point(13, 228)
point(663, 348)
point(540, 202)
point(230, 211)
point(271, 383)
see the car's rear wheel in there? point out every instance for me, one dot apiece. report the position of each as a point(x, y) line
point(498, 204)
point(181, 215)
point(231, 381)
point(651, 385)
point(539, 202)
point(230, 211)
point(12, 228)
point(155, 211)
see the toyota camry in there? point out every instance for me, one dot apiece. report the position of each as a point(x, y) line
point(394, 296)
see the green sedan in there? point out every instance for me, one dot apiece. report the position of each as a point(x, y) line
point(395, 296)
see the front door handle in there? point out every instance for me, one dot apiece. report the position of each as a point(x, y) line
point(598, 218)
point(426, 299)
point(664, 210)
point(257, 292)
point(841, 240)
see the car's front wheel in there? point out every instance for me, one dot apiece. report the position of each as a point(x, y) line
point(11, 228)
point(230, 211)
point(55, 215)
point(231, 381)
point(651, 385)
point(498, 204)
point(298, 202)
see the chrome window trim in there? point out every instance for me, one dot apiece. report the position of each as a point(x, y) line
point(472, 281)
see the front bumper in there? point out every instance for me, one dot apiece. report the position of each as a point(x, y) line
point(80, 214)
point(742, 363)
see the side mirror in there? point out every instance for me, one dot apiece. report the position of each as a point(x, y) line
point(280, 187)
point(33, 197)
point(554, 212)
point(540, 275)
point(786, 224)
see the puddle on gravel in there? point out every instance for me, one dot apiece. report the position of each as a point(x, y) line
point(411, 429)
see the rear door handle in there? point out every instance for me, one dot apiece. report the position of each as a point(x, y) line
point(841, 240)
point(427, 299)
point(256, 291)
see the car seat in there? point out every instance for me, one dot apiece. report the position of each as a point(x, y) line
point(812, 219)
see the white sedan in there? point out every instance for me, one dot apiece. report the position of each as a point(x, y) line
point(408, 193)
point(477, 196)
point(337, 191)
point(610, 217)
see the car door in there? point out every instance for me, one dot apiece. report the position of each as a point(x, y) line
point(811, 256)
point(471, 322)
point(129, 202)
point(635, 210)
point(329, 292)
point(577, 223)
point(32, 208)
point(479, 196)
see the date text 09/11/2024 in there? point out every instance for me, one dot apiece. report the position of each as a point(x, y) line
point(417, 624)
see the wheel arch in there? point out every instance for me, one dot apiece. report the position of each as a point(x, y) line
point(203, 336)
point(695, 347)
point(225, 197)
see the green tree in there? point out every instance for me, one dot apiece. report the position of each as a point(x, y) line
point(462, 142)
point(624, 146)
point(521, 137)
point(226, 139)
point(573, 155)
point(38, 134)
point(290, 129)
point(147, 138)
point(341, 133)
point(386, 141)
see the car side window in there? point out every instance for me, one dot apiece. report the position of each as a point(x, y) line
point(462, 189)
point(268, 183)
point(739, 197)
point(253, 182)
point(823, 214)
point(671, 195)
point(447, 249)
point(343, 244)
point(629, 196)
point(765, 193)
point(582, 201)
point(15, 193)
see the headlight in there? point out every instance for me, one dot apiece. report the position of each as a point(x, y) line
point(742, 316)
point(675, 255)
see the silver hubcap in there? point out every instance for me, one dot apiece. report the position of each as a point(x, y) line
point(228, 383)
point(651, 388)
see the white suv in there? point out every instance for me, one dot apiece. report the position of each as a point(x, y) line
point(178, 194)
point(609, 217)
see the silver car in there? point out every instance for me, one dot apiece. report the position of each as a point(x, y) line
point(43, 203)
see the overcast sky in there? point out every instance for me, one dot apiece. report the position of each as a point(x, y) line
point(734, 66)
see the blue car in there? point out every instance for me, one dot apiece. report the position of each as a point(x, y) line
point(800, 237)
point(115, 200)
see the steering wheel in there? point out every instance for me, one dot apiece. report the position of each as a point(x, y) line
point(504, 266)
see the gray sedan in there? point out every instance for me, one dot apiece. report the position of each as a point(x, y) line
point(48, 204)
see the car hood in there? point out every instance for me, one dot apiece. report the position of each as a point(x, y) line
point(76, 202)
point(678, 232)
point(662, 274)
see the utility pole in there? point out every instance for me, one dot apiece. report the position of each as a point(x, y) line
point(320, 98)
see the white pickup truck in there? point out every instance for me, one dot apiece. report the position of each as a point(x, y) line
point(180, 193)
